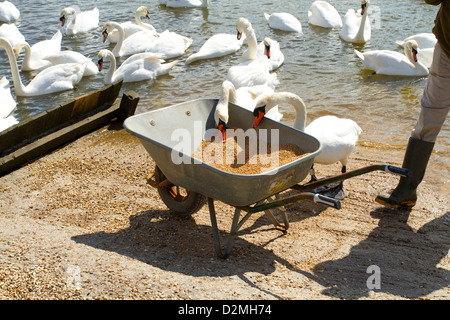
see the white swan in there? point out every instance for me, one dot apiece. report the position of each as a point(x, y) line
point(337, 136)
point(394, 63)
point(270, 49)
point(424, 40)
point(138, 67)
point(218, 45)
point(81, 22)
point(184, 3)
point(12, 33)
point(8, 12)
point(170, 44)
point(136, 43)
point(54, 79)
point(323, 14)
point(7, 105)
point(253, 70)
point(34, 55)
point(69, 56)
point(284, 21)
point(356, 27)
point(129, 27)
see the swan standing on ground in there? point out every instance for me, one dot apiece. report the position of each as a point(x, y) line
point(338, 137)
point(54, 79)
point(138, 67)
point(34, 55)
point(129, 27)
point(136, 43)
point(323, 14)
point(254, 70)
point(12, 33)
point(81, 22)
point(184, 3)
point(8, 12)
point(170, 44)
point(218, 45)
point(7, 105)
point(356, 27)
point(393, 63)
point(283, 21)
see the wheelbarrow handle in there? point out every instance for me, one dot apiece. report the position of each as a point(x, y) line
point(318, 198)
point(399, 171)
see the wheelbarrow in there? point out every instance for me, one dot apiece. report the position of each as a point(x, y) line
point(185, 183)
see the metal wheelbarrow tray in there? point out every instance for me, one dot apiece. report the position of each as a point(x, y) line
point(161, 131)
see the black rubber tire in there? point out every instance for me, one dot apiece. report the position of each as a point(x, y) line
point(180, 201)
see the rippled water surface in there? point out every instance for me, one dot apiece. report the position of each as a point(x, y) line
point(319, 66)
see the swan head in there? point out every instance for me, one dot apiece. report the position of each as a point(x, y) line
point(143, 10)
point(19, 46)
point(63, 14)
point(262, 106)
point(364, 6)
point(107, 28)
point(221, 115)
point(242, 25)
point(413, 47)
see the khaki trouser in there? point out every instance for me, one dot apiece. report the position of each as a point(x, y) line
point(435, 100)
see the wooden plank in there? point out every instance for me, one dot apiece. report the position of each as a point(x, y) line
point(49, 142)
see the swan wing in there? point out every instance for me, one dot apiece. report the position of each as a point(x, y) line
point(252, 73)
point(8, 12)
point(323, 14)
point(218, 45)
point(170, 44)
point(284, 21)
point(12, 33)
point(7, 102)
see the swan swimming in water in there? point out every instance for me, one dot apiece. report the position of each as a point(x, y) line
point(283, 21)
point(54, 79)
point(393, 63)
point(35, 54)
point(356, 26)
point(8, 12)
point(138, 67)
point(81, 22)
point(254, 70)
point(184, 3)
point(324, 15)
point(337, 136)
point(129, 27)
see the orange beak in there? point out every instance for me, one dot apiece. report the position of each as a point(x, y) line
point(267, 50)
point(259, 115)
point(100, 64)
point(222, 126)
point(105, 35)
point(239, 35)
point(414, 52)
point(63, 20)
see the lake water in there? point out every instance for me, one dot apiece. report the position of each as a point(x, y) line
point(319, 66)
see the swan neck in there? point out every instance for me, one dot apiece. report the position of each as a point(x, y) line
point(252, 42)
point(112, 68)
point(26, 63)
point(119, 43)
point(18, 85)
point(300, 113)
point(360, 34)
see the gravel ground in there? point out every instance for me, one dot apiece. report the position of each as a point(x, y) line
point(82, 223)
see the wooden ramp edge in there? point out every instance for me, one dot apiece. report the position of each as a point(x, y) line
point(36, 136)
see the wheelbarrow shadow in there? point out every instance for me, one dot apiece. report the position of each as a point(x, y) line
point(406, 260)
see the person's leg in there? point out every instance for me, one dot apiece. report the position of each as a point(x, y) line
point(435, 106)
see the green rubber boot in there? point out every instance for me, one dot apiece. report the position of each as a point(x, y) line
point(416, 159)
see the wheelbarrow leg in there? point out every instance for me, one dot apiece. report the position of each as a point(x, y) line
point(274, 220)
point(215, 229)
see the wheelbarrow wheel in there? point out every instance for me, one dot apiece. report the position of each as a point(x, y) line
point(179, 200)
